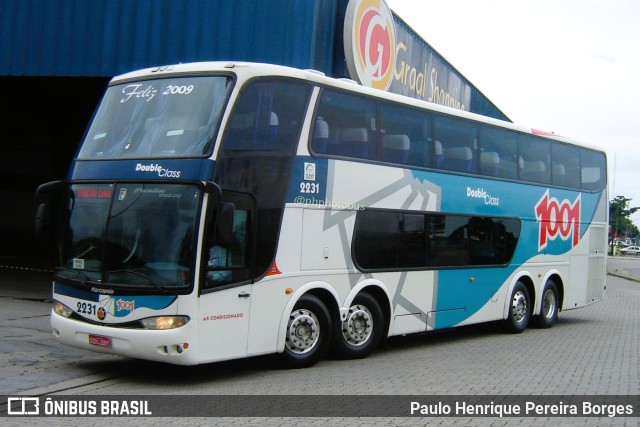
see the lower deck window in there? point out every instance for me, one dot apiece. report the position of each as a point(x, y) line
point(391, 240)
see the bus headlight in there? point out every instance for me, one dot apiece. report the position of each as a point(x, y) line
point(164, 322)
point(61, 309)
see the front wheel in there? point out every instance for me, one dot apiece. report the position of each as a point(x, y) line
point(519, 309)
point(360, 333)
point(549, 306)
point(308, 333)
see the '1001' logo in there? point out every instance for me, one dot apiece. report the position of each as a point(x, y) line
point(557, 219)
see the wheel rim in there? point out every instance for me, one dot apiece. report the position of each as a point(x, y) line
point(549, 304)
point(519, 306)
point(303, 331)
point(358, 327)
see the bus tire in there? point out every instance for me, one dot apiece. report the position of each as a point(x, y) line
point(519, 309)
point(360, 333)
point(549, 306)
point(308, 333)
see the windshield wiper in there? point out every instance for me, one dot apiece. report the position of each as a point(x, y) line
point(81, 276)
point(140, 274)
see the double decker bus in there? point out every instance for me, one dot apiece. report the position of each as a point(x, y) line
point(224, 210)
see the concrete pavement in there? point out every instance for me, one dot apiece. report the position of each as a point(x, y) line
point(30, 357)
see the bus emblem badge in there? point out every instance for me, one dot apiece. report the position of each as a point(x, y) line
point(309, 171)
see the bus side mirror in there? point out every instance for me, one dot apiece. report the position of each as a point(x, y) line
point(224, 224)
point(224, 216)
point(42, 218)
point(49, 200)
point(213, 190)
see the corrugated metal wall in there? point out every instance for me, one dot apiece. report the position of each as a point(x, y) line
point(108, 37)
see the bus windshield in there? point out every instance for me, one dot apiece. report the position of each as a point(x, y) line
point(134, 234)
point(175, 117)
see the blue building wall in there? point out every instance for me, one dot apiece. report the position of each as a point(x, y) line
point(109, 37)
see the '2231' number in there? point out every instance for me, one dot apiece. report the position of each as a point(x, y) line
point(86, 308)
point(309, 188)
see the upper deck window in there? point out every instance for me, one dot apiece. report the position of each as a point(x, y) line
point(267, 116)
point(175, 117)
point(362, 128)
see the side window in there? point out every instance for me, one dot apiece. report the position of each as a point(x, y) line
point(345, 126)
point(375, 229)
point(406, 135)
point(565, 165)
point(533, 160)
point(456, 145)
point(492, 241)
point(267, 116)
point(593, 170)
point(392, 240)
point(498, 153)
point(228, 246)
point(448, 240)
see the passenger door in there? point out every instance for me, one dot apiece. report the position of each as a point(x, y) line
point(227, 269)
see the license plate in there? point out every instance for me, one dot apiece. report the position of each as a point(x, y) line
point(100, 341)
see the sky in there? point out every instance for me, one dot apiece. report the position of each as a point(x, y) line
point(567, 66)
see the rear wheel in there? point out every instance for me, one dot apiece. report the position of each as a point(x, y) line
point(308, 333)
point(519, 309)
point(549, 306)
point(360, 333)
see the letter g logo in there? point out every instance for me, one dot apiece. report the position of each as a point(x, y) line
point(369, 42)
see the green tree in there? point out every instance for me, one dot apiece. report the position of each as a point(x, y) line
point(620, 224)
